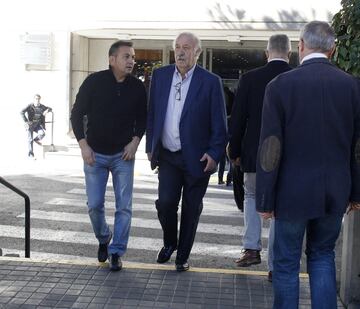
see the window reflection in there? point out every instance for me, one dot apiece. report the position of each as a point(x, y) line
point(146, 61)
point(229, 64)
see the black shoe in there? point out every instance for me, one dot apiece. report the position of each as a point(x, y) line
point(165, 254)
point(182, 267)
point(37, 142)
point(270, 276)
point(115, 263)
point(103, 250)
point(221, 182)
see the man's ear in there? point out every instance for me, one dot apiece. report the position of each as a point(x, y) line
point(111, 60)
point(267, 54)
point(198, 52)
point(331, 52)
point(301, 45)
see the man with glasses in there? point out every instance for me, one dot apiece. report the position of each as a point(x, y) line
point(115, 105)
point(185, 138)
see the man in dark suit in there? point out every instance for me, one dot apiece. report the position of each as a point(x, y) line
point(185, 137)
point(244, 140)
point(308, 167)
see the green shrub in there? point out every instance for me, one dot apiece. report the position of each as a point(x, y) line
point(346, 24)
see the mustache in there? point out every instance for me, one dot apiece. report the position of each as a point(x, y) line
point(180, 57)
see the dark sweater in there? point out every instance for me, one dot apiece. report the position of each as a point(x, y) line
point(116, 111)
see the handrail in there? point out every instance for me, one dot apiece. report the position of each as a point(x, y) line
point(27, 213)
point(52, 147)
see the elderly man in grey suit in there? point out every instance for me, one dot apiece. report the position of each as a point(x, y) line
point(308, 168)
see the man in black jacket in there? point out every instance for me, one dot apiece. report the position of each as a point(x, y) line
point(34, 117)
point(244, 139)
point(114, 102)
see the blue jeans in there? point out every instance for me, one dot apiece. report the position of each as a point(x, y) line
point(40, 131)
point(271, 245)
point(96, 178)
point(321, 235)
point(252, 220)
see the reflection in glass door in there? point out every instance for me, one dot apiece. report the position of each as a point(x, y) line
point(146, 61)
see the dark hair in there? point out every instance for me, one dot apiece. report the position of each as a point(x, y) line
point(115, 46)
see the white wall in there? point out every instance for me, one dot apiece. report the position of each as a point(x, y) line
point(98, 54)
point(19, 86)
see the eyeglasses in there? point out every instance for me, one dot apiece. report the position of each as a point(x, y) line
point(178, 91)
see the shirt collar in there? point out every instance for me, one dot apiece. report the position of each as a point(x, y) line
point(313, 55)
point(278, 59)
point(187, 74)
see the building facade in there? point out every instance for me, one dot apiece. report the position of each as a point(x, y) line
point(51, 46)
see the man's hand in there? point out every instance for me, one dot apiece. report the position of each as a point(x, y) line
point(236, 162)
point(353, 206)
point(48, 110)
point(86, 152)
point(130, 149)
point(28, 125)
point(266, 215)
point(210, 165)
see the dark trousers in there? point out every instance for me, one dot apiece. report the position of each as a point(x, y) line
point(221, 170)
point(175, 183)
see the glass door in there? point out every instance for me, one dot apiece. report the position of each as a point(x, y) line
point(146, 61)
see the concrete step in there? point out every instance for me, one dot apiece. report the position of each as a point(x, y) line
point(72, 150)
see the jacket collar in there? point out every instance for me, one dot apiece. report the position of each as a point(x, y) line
point(316, 60)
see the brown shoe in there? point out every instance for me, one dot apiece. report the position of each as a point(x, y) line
point(249, 257)
point(270, 276)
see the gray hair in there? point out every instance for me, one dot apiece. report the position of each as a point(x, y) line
point(318, 36)
point(194, 37)
point(279, 43)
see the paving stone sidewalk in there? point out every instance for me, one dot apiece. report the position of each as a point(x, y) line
point(33, 284)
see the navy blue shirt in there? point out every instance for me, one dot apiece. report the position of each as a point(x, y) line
point(116, 111)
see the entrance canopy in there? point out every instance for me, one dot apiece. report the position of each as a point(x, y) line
point(225, 20)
